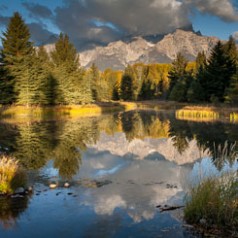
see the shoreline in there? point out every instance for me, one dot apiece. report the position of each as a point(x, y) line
point(183, 111)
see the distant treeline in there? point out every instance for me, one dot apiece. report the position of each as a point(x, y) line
point(32, 76)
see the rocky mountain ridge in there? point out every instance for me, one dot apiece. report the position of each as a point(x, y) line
point(117, 55)
point(149, 148)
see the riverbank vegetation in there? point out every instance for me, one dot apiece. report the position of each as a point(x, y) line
point(20, 113)
point(213, 204)
point(11, 175)
point(31, 76)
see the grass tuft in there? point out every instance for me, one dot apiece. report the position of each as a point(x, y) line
point(234, 117)
point(197, 114)
point(11, 175)
point(214, 203)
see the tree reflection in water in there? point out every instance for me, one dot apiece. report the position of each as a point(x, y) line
point(11, 209)
point(35, 143)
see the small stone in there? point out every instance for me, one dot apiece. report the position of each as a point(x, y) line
point(17, 196)
point(53, 185)
point(66, 185)
point(30, 189)
point(20, 190)
point(203, 221)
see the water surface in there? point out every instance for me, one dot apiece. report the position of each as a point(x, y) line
point(120, 168)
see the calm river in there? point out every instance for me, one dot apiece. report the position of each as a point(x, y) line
point(120, 168)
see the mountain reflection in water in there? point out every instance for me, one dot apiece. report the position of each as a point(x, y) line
point(120, 166)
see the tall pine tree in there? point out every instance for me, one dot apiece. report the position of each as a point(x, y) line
point(16, 52)
point(218, 74)
point(68, 75)
point(178, 79)
point(126, 91)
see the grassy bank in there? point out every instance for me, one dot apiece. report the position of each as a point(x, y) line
point(11, 175)
point(213, 205)
point(183, 111)
point(24, 113)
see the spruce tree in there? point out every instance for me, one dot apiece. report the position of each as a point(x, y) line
point(179, 79)
point(6, 87)
point(49, 85)
point(195, 91)
point(67, 73)
point(198, 85)
point(65, 54)
point(126, 91)
point(16, 52)
point(231, 52)
point(177, 72)
point(16, 43)
point(219, 73)
point(232, 91)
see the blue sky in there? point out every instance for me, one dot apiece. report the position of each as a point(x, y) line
point(99, 22)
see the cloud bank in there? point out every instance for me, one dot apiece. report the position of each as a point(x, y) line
point(93, 22)
point(99, 22)
point(235, 35)
point(36, 10)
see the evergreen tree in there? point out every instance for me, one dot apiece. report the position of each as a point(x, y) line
point(230, 50)
point(95, 78)
point(201, 61)
point(177, 72)
point(126, 92)
point(195, 91)
point(231, 92)
point(147, 90)
point(69, 77)
point(218, 74)
point(178, 92)
point(65, 54)
point(6, 87)
point(49, 85)
point(16, 52)
point(85, 91)
point(43, 56)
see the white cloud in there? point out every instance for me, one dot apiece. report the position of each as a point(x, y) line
point(235, 35)
point(130, 18)
point(107, 204)
point(123, 19)
point(133, 17)
point(221, 8)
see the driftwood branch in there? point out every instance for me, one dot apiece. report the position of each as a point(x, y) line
point(168, 208)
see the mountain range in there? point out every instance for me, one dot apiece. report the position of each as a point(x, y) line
point(117, 55)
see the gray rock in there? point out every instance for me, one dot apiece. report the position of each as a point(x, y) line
point(203, 221)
